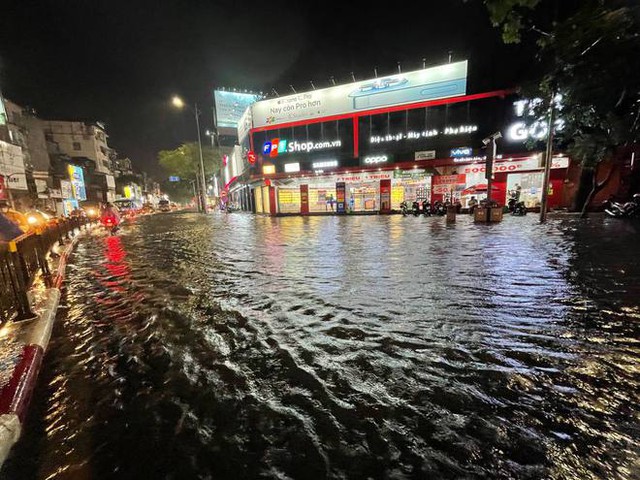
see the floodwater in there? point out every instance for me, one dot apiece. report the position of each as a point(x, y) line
point(242, 347)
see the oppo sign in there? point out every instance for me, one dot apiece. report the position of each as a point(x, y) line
point(376, 159)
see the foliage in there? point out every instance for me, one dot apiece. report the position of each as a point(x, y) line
point(184, 161)
point(509, 16)
point(178, 191)
point(591, 56)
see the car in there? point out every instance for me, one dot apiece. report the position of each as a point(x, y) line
point(127, 206)
point(164, 206)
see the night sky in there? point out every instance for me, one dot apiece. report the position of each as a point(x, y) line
point(120, 61)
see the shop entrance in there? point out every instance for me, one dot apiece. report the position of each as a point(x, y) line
point(527, 187)
point(363, 197)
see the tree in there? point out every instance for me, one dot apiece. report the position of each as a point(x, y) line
point(184, 161)
point(590, 54)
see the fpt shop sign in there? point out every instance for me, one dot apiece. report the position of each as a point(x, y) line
point(281, 146)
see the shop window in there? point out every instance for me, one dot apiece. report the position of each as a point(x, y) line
point(289, 200)
point(322, 198)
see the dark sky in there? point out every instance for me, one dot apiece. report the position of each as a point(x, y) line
point(120, 61)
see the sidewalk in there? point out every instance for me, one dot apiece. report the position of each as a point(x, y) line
point(22, 349)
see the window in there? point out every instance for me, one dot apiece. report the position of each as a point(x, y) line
point(77, 146)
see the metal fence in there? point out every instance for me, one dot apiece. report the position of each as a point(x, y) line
point(23, 259)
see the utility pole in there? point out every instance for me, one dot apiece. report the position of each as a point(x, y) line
point(203, 185)
point(548, 159)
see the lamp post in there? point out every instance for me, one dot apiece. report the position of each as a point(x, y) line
point(179, 103)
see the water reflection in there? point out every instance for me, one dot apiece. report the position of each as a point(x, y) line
point(383, 347)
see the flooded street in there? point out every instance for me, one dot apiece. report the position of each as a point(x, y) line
point(243, 347)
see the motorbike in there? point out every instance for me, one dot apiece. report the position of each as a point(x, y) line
point(415, 209)
point(426, 208)
point(439, 208)
point(111, 224)
point(516, 208)
point(623, 210)
point(404, 208)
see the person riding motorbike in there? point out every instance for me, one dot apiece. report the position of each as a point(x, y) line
point(404, 208)
point(110, 217)
point(426, 208)
point(415, 208)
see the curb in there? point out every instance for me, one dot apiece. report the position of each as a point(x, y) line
point(16, 394)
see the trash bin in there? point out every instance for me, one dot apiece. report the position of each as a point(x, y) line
point(451, 214)
point(494, 214)
point(480, 214)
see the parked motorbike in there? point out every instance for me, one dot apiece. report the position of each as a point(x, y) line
point(404, 208)
point(624, 210)
point(415, 208)
point(439, 208)
point(426, 208)
point(516, 208)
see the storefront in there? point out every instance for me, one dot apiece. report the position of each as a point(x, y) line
point(315, 144)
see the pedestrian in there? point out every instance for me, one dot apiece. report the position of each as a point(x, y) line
point(330, 202)
point(473, 203)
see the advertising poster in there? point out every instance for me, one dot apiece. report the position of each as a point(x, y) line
point(340, 197)
point(443, 184)
point(12, 166)
point(433, 83)
point(76, 176)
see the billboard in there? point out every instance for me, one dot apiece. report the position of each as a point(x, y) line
point(12, 166)
point(76, 176)
point(3, 112)
point(230, 106)
point(433, 83)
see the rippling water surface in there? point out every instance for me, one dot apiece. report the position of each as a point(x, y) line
point(357, 347)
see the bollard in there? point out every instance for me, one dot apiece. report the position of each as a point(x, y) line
point(20, 290)
point(451, 214)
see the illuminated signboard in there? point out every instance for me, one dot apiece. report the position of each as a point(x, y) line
point(291, 167)
point(375, 159)
point(529, 126)
point(230, 106)
point(414, 135)
point(76, 176)
point(461, 152)
point(3, 112)
point(268, 169)
point(432, 83)
point(325, 164)
point(279, 146)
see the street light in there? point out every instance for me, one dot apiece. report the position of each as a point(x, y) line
point(180, 104)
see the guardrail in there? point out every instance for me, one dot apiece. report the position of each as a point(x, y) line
point(22, 259)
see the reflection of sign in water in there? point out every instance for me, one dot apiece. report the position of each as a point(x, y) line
point(76, 175)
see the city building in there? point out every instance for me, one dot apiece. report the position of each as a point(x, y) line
point(82, 142)
point(366, 147)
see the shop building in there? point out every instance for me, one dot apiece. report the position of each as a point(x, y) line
point(368, 146)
